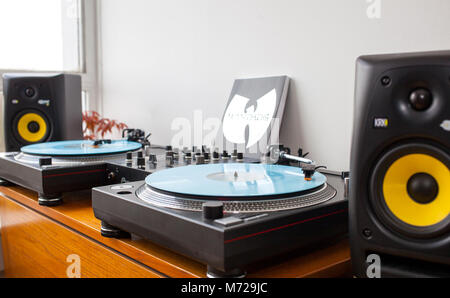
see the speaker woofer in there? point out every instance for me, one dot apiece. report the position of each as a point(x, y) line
point(410, 190)
point(31, 126)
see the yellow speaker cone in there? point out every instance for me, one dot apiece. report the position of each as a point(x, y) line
point(399, 200)
point(32, 127)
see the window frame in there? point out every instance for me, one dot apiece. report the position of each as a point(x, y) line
point(89, 55)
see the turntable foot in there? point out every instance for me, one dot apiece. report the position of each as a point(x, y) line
point(110, 231)
point(50, 200)
point(5, 183)
point(235, 273)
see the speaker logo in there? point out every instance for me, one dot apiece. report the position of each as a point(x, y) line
point(254, 115)
point(446, 125)
point(381, 123)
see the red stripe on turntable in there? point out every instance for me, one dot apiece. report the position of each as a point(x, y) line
point(285, 226)
point(74, 173)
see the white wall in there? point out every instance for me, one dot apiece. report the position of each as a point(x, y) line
point(164, 58)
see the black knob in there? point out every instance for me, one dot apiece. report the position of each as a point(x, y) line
point(140, 154)
point(216, 155)
point(212, 210)
point(169, 161)
point(225, 154)
point(240, 156)
point(200, 160)
point(141, 162)
point(29, 92)
point(423, 188)
point(45, 161)
point(188, 154)
point(421, 99)
point(33, 127)
point(206, 155)
point(129, 155)
point(168, 148)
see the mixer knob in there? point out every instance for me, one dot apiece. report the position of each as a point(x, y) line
point(240, 156)
point(215, 156)
point(207, 156)
point(129, 156)
point(200, 160)
point(141, 162)
point(152, 158)
point(188, 155)
point(225, 155)
point(169, 148)
point(198, 154)
point(169, 161)
point(140, 154)
point(212, 210)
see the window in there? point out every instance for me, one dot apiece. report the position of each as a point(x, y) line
point(51, 36)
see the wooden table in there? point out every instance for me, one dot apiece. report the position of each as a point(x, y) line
point(44, 242)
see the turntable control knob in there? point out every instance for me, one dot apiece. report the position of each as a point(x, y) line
point(169, 148)
point(212, 210)
point(207, 156)
point(45, 161)
point(141, 162)
point(152, 158)
point(140, 154)
point(129, 156)
point(216, 155)
point(240, 156)
point(225, 155)
point(200, 160)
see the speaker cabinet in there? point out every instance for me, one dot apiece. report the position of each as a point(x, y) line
point(41, 108)
point(400, 160)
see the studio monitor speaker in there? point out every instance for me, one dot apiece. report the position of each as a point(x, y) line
point(41, 108)
point(400, 160)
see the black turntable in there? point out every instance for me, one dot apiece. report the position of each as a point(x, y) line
point(57, 167)
point(227, 216)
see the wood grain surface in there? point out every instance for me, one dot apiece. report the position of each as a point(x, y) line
point(76, 217)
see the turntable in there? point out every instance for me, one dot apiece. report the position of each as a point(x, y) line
point(57, 167)
point(227, 216)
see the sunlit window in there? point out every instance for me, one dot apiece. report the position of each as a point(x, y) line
point(41, 35)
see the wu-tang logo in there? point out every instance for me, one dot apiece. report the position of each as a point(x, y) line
point(246, 121)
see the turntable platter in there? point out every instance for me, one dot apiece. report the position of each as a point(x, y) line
point(80, 148)
point(234, 181)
